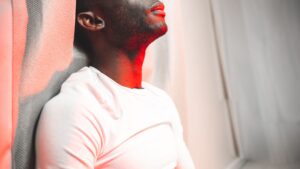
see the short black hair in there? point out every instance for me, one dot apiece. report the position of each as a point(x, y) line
point(84, 5)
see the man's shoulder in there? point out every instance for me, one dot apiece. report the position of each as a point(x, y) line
point(84, 86)
point(161, 93)
point(78, 80)
point(77, 92)
point(63, 104)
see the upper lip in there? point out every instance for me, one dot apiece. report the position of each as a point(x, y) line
point(158, 6)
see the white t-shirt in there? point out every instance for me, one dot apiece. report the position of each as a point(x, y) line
point(96, 123)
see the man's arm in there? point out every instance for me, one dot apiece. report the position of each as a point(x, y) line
point(184, 158)
point(67, 136)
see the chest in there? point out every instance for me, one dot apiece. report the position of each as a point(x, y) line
point(153, 147)
point(142, 137)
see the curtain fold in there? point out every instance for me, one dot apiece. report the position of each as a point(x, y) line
point(186, 65)
point(13, 16)
point(19, 26)
point(6, 85)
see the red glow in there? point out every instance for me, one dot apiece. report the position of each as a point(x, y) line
point(53, 52)
point(6, 85)
point(13, 29)
point(20, 21)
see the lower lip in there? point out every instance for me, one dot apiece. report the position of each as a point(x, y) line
point(159, 13)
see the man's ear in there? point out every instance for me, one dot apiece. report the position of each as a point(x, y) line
point(90, 21)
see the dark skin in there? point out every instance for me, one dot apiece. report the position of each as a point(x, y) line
point(115, 36)
point(118, 33)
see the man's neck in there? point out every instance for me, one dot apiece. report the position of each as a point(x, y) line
point(123, 67)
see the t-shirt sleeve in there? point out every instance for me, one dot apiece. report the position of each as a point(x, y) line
point(184, 160)
point(68, 136)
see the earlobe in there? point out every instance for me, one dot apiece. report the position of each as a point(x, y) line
point(99, 22)
point(90, 21)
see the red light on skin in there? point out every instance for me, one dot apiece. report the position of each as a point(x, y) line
point(158, 9)
point(159, 13)
point(156, 15)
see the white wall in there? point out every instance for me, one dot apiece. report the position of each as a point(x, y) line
point(260, 45)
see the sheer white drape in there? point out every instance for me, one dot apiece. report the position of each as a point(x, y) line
point(185, 63)
point(261, 51)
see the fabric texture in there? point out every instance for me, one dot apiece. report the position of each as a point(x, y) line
point(47, 62)
point(5, 88)
point(96, 123)
point(13, 16)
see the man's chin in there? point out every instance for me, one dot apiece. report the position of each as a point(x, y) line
point(160, 29)
point(164, 29)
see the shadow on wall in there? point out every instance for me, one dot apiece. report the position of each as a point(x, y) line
point(48, 61)
point(29, 111)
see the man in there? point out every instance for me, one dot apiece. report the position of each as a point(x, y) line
point(105, 117)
